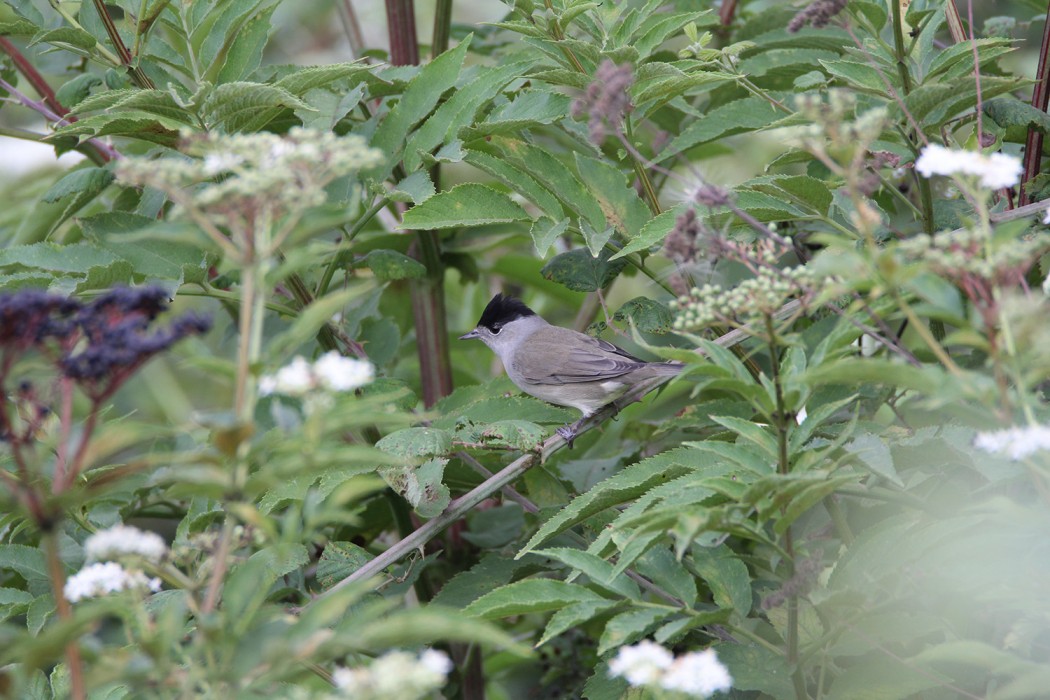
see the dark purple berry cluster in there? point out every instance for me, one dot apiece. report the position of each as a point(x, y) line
point(98, 343)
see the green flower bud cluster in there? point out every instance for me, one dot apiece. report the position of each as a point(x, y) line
point(973, 252)
point(760, 296)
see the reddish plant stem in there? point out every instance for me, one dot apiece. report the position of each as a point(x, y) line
point(1033, 149)
point(35, 79)
point(401, 28)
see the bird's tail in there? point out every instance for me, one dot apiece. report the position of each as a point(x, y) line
point(666, 368)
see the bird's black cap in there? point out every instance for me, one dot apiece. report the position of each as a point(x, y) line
point(502, 310)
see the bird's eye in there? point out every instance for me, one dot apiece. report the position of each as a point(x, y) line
point(496, 330)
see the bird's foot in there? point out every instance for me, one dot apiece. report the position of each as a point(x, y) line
point(568, 433)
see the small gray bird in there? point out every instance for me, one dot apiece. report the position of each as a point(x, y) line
point(560, 365)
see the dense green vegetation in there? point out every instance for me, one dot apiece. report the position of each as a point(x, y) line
point(295, 482)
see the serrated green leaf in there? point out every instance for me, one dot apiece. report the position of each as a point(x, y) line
point(530, 596)
point(421, 486)
point(544, 232)
point(339, 560)
point(72, 38)
point(493, 571)
point(413, 443)
point(620, 204)
point(573, 616)
point(247, 107)
point(748, 114)
point(874, 453)
point(130, 124)
point(459, 110)
point(392, 265)
point(726, 576)
point(74, 91)
point(468, 204)
point(653, 233)
point(28, 562)
point(599, 571)
point(521, 182)
point(518, 434)
point(416, 188)
point(248, 584)
point(627, 485)
point(630, 626)
point(76, 258)
point(556, 177)
point(581, 272)
point(243, 51)
point(647, 315)
point(419, 98)
point(528, 108)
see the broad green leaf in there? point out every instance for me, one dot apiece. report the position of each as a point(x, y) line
point(135, 124)
point(574, 615)
point(76, 90)
point(802, 190)
point(630, 626)
point(555, 176)
point(75, 258)
point(653, 232)
point(544, 232)
point(754, 434)
point(630, 483)
point(248, 584)
point(29, 563)
point(599, 571)
point(428, 625)
point(726, 575)
point(464, 205)
point(521, 182)
point(620, 204)
point(491, 572)
point(243, 51)
point(302, 80)
point(459, 110)
point(421, 486)
point(530, 596)
point(73, 39)
point(532, 107)
point(413, 443)
point(76, 190)
point(229, 28)
point(748, 114)
point(159, 102)
point(659, 565)
point(756, 668)
point(518, 434)
point(419, 98)
point(247, 106)
point(416, 188)
point(875, 455)
point(392, 265)
point(339, 560)
point(581, 272)
point(647, 315)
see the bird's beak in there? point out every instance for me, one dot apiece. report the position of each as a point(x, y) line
point(468, 336)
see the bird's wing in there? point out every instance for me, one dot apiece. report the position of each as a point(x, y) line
point(588, 360)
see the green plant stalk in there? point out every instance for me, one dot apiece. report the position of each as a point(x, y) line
point(102, 52)
point(65, 612)
point(643, 177)
point(350, 235)
point(442, 28)
point(898, 46)
point(140, 78)
point(780, 422)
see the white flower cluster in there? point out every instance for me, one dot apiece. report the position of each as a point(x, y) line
point(397, 675)
point(103, 578)
point(261, 172)
point(994, 171)
point(1016, 443)
point(105, 575)
point(330, 372)
point(647, 664)
point(125, 541)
